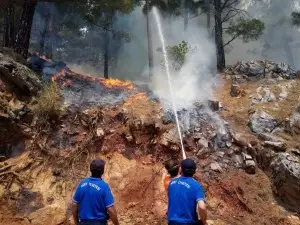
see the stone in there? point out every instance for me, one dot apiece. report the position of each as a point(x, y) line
point(285, 176)
point(296, 152)
point(18, 77)
point(100, 132)
point(216, 167)
point(220, 154)
point(261, 122)
point(228, 144)
point(238, 161)
point(129, 137)
point(268, 137)
point(235, 90)
point(246, 157)
point(230, 152)
point(203, 153)
point(277, 146)
point(50, 215)
point(238, 139)
point(169, 137)
point(250, 166)
point(202, 142)
point(197, 136)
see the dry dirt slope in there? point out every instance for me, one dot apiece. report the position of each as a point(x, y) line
point(36, 187)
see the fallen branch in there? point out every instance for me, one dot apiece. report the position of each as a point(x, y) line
point(5, 167)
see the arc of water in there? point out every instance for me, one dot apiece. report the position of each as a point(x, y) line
point(166, 61)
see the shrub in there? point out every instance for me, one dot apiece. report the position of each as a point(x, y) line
point(49, 104)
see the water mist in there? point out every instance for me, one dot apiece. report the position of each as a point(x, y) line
point(166, 64)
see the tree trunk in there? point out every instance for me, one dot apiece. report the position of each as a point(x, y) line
point(208, 18)
point(24, 31)
point(9, 26)
point(44, 34)
point(149, 36)
point(186, 15)
point(219, 36)
point(106, 54)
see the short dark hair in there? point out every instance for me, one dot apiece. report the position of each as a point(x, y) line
point(97, 168)
point(188, 167)
point(172, 166)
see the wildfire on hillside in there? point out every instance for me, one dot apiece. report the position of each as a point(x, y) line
point(109, 83)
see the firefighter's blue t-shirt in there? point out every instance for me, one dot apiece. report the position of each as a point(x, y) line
point(184, 194)
point(93, 196)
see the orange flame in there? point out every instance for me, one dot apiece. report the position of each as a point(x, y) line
point(110, 83)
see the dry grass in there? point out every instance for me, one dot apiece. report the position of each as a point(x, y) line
point(49, 103)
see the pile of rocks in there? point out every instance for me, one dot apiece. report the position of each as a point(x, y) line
point(246, 71)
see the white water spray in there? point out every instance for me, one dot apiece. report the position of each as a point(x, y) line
point(166, 61)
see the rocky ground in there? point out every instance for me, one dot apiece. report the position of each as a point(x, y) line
point(248, 161)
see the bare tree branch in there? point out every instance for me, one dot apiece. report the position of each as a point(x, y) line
point(231, 40)
point(227, 4)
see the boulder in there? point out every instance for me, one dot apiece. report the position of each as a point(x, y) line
point(261, 122)
point(50, 215)
point(19, 77)
point(285, 176)
point(170, 138)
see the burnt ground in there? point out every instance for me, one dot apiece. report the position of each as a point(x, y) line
point(57, 155)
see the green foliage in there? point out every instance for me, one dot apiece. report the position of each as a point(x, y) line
point(246, 29)
point(178, 53)
point(296, 18)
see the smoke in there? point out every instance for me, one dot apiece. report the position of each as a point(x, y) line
point(193, 82)
point(279, 42)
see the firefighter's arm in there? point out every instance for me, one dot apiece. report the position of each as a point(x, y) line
point(202, 211)
point(113, 214)
point(75, 212)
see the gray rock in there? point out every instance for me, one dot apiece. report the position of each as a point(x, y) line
point(261, 122)
point(268, 137)
point(169, 138)
point(246, 157)
point(202, 142)
point(203, 153)
point(237, 160)
point(255, 69)
point(216, 167)
point(285, 176)
point(296, 152)
point(250, 166)
point(277, 146)
point(220, 154)
point(14, 74)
